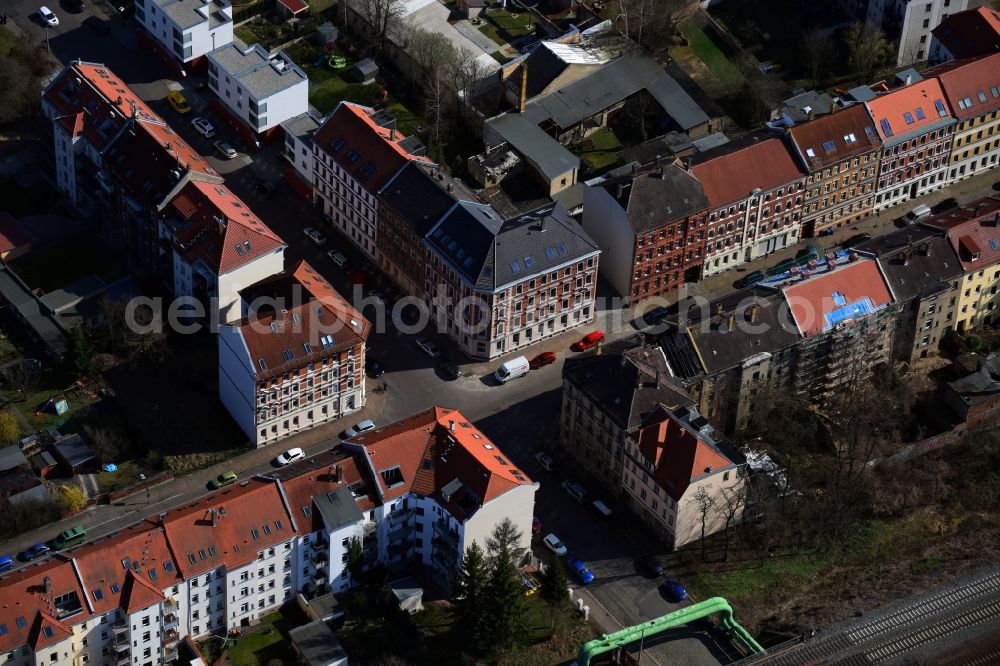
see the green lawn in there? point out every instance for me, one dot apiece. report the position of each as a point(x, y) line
point(50, 385)
point(501, 26)
point(327, 87)
point(8, 40)
point(246, 34)
point(406, 120)
point(709, 53)
point(601, 150)
point(268, 640)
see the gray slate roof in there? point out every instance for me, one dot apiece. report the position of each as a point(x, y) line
point(68, 296)
point(523, 134)
point(42, 323)
point(491, 253)
point(419, 193)
point(915, 261)
point(74, 450)
point(11, 457)
point(338, 508)
point(658, 197)
point(983, 385)
point(317, 645)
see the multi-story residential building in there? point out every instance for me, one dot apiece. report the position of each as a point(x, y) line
point(416, 493)
point(498, 285)
point(260, 89)
point(972, 89)
point(410, 204)
point(967, 34)
point(916, 127)
point(650, 224)
point(185, 30)
point(755, 193)
point(299, 134)
point(906, 22)
point(840, 154)
point(295, 360)
point(924, 274)
point(219, 247)
point(355, 152)
point(606, 397)
point(974, 233)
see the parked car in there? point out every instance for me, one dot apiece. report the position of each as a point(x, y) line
point(35, 551)
point(655, 316)
point(100, 27)
point(543, 359)
point(177, 102)
point(651, 565)
point(203, 127)
point(226, 149)
point(589, 341)
point(289, 456)
point(338, 259)
point(358, 428)
point(553, 543)
point(947, 204)
point(450, 370)
point(6, 563)
point(857, 239)
point(581, 571)
point(375, 369)
point(575, 490)
point(428, 347)
point(224, 479)
point(674, 591)
point(315, 235)
point(47, 17)
point(827, 231)
point(546, 461)
point(917, 213)
point(536, 525)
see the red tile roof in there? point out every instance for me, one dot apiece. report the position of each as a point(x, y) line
point(811, 300)
point(829, 139)
point(970, 33)
point(26, 608)
point(243, 238)
point(317, 476)
point(969, 85)
point(731, 173)
point(908, 109)
point(430, 451)
point(677, 455)
point(138, 594)
point(291, 339)
point(977, 223)
point(363, 145)
point(294, 6)
point(12, 236)
point(46, 630)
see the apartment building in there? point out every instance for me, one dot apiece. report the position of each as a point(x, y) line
point(908, 23)
point(972, 90)
point(755, 193)
point(184, 31)
point(967, 34)
point(219, 247)
point(924, 274)
point(410, 204)
point(974, 234)
point(417, 493)
point(650, 223)
point(355, 153)
point(299, 134)
point(606, 398)
point(260, 89)
point(296, 359)
point(496, 286)
point(840, 154)
point(916, 129)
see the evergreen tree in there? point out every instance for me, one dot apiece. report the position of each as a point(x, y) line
point(506, 537)
point(469, 595)
point(355, 560)
point(504, 605)
point(80, 352)
point(553, 588)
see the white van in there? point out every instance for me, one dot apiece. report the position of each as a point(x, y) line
point(512, 369)
point(917, 213)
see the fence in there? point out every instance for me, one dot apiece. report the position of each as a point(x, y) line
point(244, 14)
point(162, 477)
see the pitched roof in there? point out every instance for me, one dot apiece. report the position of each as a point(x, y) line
point(138, 593)
point(846, 293)
point(973, 231)
point(28, 603)
point(439, 453)
point(315, 322)
point(422, 193)
point(679, 453)
point(972, 87)
point(490, 253)
point(370, 153)
point(46, 630)
point(12, 236)
point(829, 139)
point(732, 171)
point(908, 110)
point(970, 33)
point(916, 262)
point(658, 197)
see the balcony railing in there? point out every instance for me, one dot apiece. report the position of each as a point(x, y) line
point(123, 659)
point(170, 621)
point(170, 605)
point(170, 637)
point(119, 628)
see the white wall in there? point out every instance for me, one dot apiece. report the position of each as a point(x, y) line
point(237, 380)
point(197, 40)
point(517, 504)
point(231, 283)
point(301, 157)
point(286, 104)
point(911, 49)
point(281, 106)
point(351, 207)
point(688, 527)
point(608, 224)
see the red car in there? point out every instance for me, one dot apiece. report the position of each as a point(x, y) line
point(543, 359)
point(590, 341)
point(536, 525)
point(356, 276)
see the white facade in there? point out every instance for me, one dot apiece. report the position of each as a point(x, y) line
point(351, 207)
point(909, 23)
point(262, 89)
point(226, 287)
point(298, 151)
point(608, 224)
point(188, 29)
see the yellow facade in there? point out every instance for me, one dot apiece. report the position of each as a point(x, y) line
point(979, 298)
point(976, 146)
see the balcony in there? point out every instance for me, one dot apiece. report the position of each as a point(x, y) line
point(170, 621)
point(123, 659)
point(120, 629)
point(170, 605)
point(170, 637)
point(445, 536)
point(369, 527)
point(170, 654)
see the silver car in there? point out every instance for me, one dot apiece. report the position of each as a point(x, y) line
point(225, 149)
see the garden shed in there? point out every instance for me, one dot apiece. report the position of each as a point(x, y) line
point(363, 71)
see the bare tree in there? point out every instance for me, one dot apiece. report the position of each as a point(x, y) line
point(22, 72)
point(868, 50)
point(382, 16)
point(435, 103)
point(652, 23)
point(466, 72)
point(730, 508)
point(819, 51)
point(704, 503)
point(761, 92)
point(428, 50)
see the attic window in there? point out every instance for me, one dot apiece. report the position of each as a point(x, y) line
point(262, 363)
point(191, 558)
point(515, 267)
point(994, 245)
point(870, 133)
point(202, 554)
point(849, 139)
point(810, 152)
point(908, 117)
point(939, 105)
point(267, 528)
point(47, 630)
point(392, 476)
point(153, 574)
point(21, 623)
point(919, 113)
point(274, 327)
point(367, 170)
point(3, 630)
point(476, 435)
point(98, 594)
point(529, 262)
point(278, 525)
point(886, 127)
point(239, 250)
point(337, 144)
point(127, 563)
point(425, 464)
point(828, 146)
point(255, 534)
point(307, 347)
point(550, 253)
point(353, 156)
point(501, 460)
point(488, 447)
point(246, 247)
point(168, 567)
point(115, 589)
point(562, 249)
point(982, 96)
point(212, 551)
point(288, 355)
point(467, 262)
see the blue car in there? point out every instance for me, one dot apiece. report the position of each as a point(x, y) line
point(6, 564)
point(581, 571)
point(674, 591)
point(37, 550)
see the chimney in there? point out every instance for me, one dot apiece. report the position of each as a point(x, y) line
point(163, 516)
point(451, 425)
point(718, 308)
point(392, 134)
point(522, 100)
point(909, 79)
point(336, 473)
point(47, 582)
point(753, 313)
point(732, 321)
point(212, 513)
